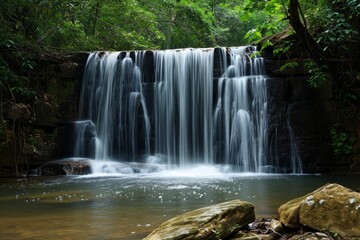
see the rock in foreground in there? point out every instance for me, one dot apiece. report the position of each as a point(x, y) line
point(331, 208)
point(213, 222)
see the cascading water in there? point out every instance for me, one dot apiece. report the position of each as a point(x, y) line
point(111, 97)
point(296, 164)
point(183, 105)
point(182, 119)
point(241, 112)
point(85, 139)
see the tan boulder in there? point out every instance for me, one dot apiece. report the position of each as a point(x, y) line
point(214, 222)
point(331, 208)
point(276, 226)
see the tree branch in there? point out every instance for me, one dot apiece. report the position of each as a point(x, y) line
point(302, 32)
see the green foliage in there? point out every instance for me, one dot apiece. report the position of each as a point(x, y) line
point(266, 44)
point(13, 84)
point(266, 17)
point(354, 7)
point(291, 65)
point(283, 49)
point(333, 28)
point(316, 74)
point(253, 35)
point(139, 24)
point(341, 142)
point(337, 34)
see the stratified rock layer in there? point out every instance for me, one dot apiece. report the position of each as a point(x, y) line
point(330, 208)
point(213, 222)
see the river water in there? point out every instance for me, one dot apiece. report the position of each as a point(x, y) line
point(131, 206)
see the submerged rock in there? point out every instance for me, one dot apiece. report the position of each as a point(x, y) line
point(332, 208)
point(213, 222)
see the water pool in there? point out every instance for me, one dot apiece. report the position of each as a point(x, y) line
point(131, 206)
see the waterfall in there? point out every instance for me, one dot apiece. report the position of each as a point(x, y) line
point(112, 98)
point(241, 112)
point(295, 163)
point(172, 107)
point(183, 105)
point(136, 100)
point(85, 139)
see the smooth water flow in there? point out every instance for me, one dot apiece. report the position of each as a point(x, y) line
point(112, 98)
point(241, 113)
point(179, 117)
point(183, 105)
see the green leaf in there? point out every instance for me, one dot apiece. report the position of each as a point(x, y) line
point(291, 65)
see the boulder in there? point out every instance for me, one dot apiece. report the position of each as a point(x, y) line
point(213, 222)
point(65, 167)
point(332, 208)
point(276, 226)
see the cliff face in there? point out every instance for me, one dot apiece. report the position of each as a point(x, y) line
point(315, 116)
point(300, 118)
point(30, 130)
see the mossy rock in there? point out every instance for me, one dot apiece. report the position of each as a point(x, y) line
point(213, 222)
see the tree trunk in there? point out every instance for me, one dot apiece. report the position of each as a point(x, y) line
point(302, 32)
point(96, 17)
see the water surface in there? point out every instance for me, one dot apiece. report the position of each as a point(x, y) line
point(131, 206)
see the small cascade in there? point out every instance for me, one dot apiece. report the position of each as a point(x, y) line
point(111, 97)
point(136, 103)
point(177, 116)
point(241, 112)
point(85, 139)
point(296, 165)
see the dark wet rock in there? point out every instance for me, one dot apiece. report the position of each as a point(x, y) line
point(66, 167)
point(18, 111)
point(259, 224)
point(213, 222)
point(311, 236)
point(39, 148)
point(332, 208)
point(251, 236)
point(83, 166)
point(46, 111)
point(33, 172)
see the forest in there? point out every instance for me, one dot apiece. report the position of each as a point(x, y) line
point(327, 30)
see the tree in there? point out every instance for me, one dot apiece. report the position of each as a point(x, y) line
point(302, 32)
